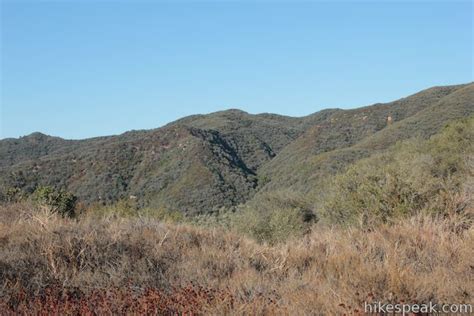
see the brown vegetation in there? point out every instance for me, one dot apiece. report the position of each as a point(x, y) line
point(55, 265)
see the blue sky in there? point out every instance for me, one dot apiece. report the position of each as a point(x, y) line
point(87, 68)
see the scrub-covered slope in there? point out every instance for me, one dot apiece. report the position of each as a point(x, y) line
point(205, 162)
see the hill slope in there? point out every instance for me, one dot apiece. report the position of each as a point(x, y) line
point(204, 162)
point(355, 134)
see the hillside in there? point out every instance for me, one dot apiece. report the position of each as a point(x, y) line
point(202, 163)
point(354, 134)
point(180, 166)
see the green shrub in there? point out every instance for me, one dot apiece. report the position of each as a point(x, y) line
point(12, 195)
point(276, 217)
point(124, 208)
point(56, 201)
point(222, 218)
point(129, 208)
point(162, 214)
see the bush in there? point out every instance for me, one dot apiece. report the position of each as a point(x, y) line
point(56, 201)
point(129, 208)
point(275, 217)
point(222, 218)
point(162, 214)
point(12, 195)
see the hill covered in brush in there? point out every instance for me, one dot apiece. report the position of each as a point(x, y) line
point(203, 163)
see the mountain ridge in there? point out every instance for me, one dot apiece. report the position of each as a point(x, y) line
point(204, 162)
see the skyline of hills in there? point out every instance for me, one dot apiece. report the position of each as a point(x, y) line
point(202, 163)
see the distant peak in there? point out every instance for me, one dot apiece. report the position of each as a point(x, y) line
point(235, 110)
point(232, 111)
point(37, 135)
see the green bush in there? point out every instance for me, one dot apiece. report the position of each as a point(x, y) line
point(129, 208)
point(12, 195)
point(56, 201)
point(222, 218)
point(276, 217)
point(162, 214)
point(125, 208)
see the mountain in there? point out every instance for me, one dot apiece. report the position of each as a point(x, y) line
point(354, 134)
point(202, 163)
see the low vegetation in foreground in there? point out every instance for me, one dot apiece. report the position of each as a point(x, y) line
point(55, 265)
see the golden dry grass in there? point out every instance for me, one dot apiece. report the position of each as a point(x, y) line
point(52, 265)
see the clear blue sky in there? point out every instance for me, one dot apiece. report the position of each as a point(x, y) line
point(89, 68)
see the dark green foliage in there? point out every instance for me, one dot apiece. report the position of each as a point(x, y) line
point(57, 201)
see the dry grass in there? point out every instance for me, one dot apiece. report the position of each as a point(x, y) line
point(51, 265)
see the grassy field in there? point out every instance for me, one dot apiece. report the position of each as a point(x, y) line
point(55, 265)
